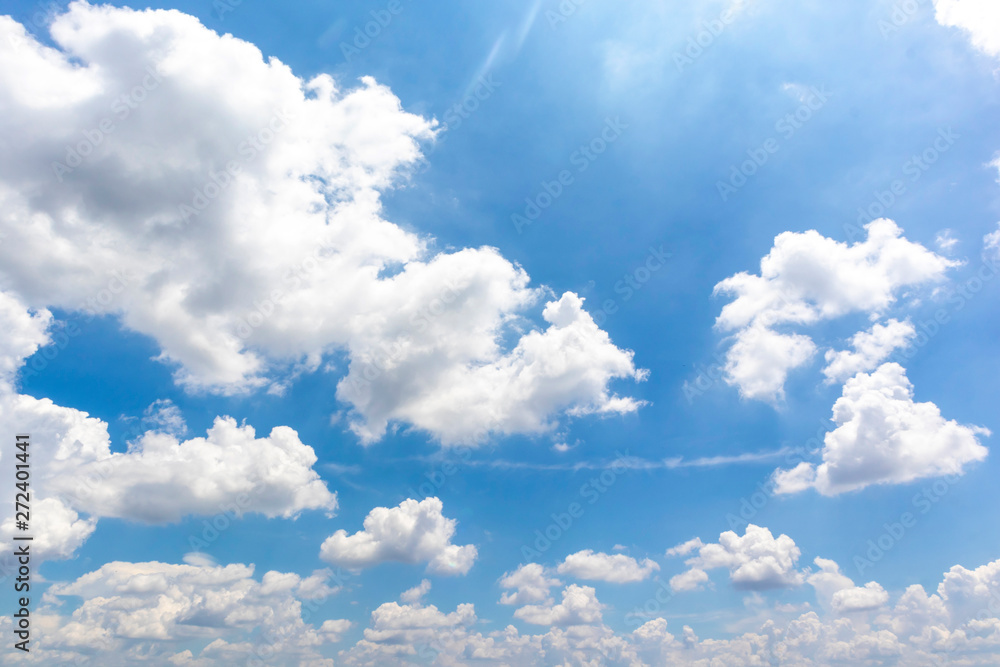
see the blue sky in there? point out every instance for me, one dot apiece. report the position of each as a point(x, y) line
point(528, 393)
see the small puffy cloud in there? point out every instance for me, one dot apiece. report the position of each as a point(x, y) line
point(689, 580)
point(413, 532)
point(807, 278)
point(531, 585)
point(828, 581)
point(686, 548)
point(869, 597)
point(759, 360)
point(980, 19)
point(884, 437)
point(991, 245)
point(756, 561)
point(164, 416)
point(837, 592)
point(616, 568)
point(416, 594)
point(579, 606)
point(871, 348)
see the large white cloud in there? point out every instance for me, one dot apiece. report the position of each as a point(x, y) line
point(884, 437)
point(756, 561)
point(159, 479)
point(807, 278)
point(216, 202)
point(979, 18)
point(613, 568)
point(413, 532)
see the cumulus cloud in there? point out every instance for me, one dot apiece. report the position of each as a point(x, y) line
point(154, 612)
point(956, 622)
point(125, 604)
point(159, 479)
point(416, 594)
point(871, 348)
point(980, 19)
point(756, 561)
point(413, 532)
point(579, 606)
point(209, 198)
point(617, 568)
point(686, 548)
point(836, 592)
point(869, 597)
point(884, 437)
point(807, 278)
point(530, 584)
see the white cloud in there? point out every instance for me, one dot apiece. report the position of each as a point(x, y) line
point(231, 211)
point(413, 532)
point(991, 245)
point(689, 580)
point(164, 416)
point(162, 479)
point(957, 622)
point(871, 348)
point(579, 606)
point(416, 594)
point(686, 548)
point(531, 584)
point(837, 592)
point(979, 18)
point(756, 561)
point(807, 278)
point(159, 479)
point(759, 360)
point(617, 568)
point(884, 437)
point(869, 597)
point(141, 612)
point(126, 604)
